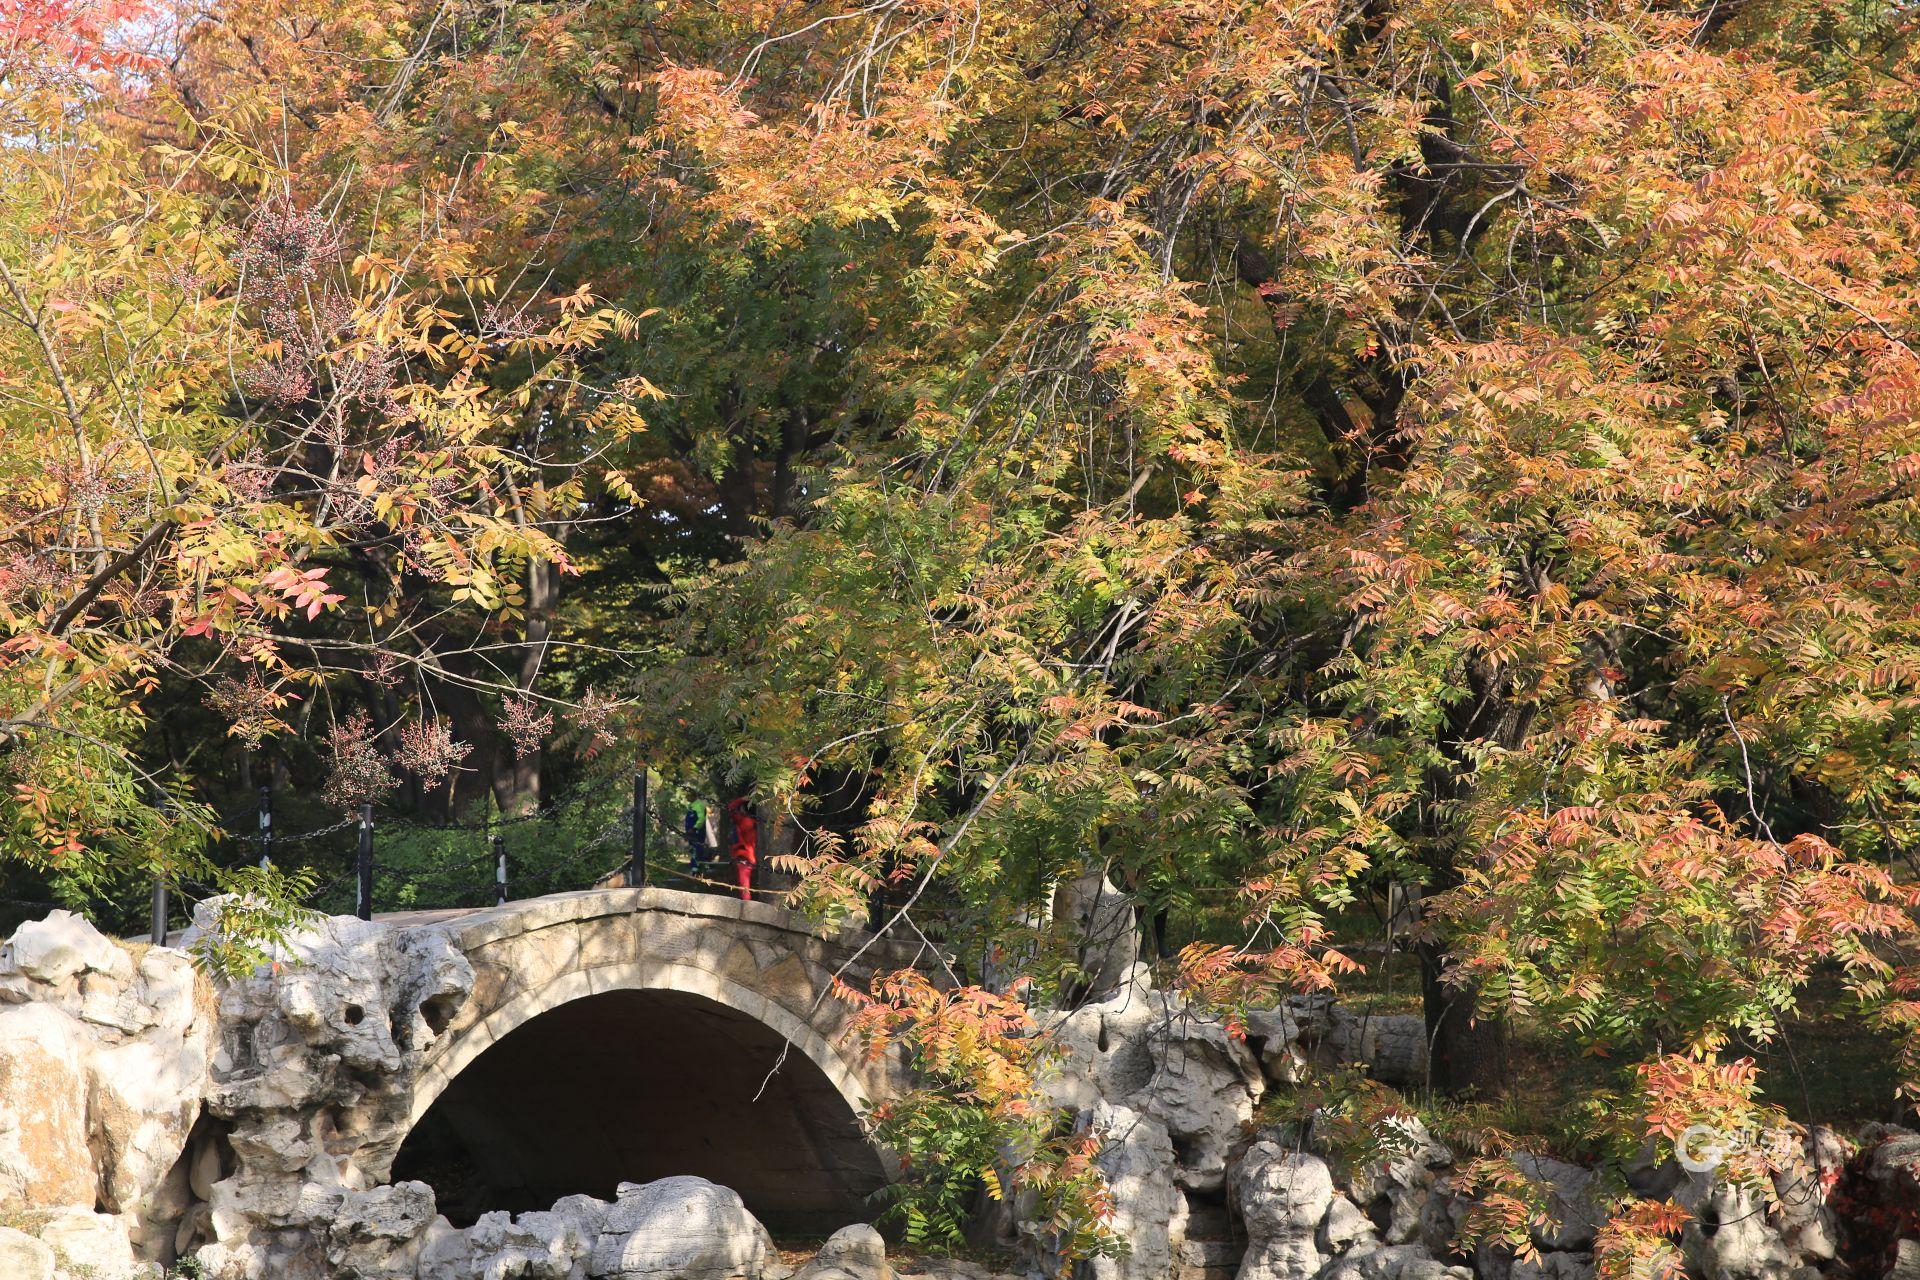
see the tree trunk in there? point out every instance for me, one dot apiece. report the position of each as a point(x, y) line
point(472, 723)
point(516, 778)
point(793, 441)
point(736, 490)
point(516, 782)
point(1466, 1052)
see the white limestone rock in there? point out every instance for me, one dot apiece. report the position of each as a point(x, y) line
point(24, 1258)
point(680, 1229)
point(456, 1253)
point(318, 1044)
point(1392, 1047)
point(932, 1268)
point(170, 987)
point(44, 1157)
point(1106, 1052)
point(1105, 937)
point(1650, 1175)
point(349, 993)
point(1149, 1212)
point(233, 1261)
point(852, 1253)
point(1394, 1189)
point(320, 1006)
point(1204, 1086)
point(1283, 1196)
point(567, 1230)
point(103, 1066)
point(1576, 1215)
point(1553, 1266)
point(1276, 1034)
point(1395, 1262)
point(94, 1245)
point(436, 980)
point(1730, 1237)
point(1808, 1226)
point(553, 1244)
point(1345, 1229)
point(143, 1097)
point(379, 1234)
point(63, 946)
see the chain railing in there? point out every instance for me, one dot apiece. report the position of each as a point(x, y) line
point(633, 846)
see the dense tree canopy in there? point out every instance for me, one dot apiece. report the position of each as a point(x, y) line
point(1261, 452)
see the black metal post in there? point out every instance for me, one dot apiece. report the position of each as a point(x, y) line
point(637, 865)
point(266, 826)
point(364, 907)
point(157, 922)
point(499, 871)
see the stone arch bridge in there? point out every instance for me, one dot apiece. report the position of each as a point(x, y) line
point(510, 1056)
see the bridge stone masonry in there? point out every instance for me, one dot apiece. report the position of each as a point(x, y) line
point(713, 1017)
point(352, 1108)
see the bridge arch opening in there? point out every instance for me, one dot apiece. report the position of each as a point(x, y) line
point(634, 1084)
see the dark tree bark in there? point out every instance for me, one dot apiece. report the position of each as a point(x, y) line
point(1358, 444)
point(516, 778)
point(793, 442)
point(1358, 416)
point(1466, 1052)
point(472, 723)
point(1467, 1048)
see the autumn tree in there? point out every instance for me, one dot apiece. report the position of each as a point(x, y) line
point(253, 452)
point(1267, 455)
point(1461, 445)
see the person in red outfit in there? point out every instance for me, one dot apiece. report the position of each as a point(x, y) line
point(745, 832)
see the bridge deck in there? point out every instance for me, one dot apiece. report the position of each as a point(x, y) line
point(475, 925)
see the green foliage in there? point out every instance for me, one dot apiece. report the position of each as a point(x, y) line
point(973, 1124)
point(253, 921)
point(951, 1153)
